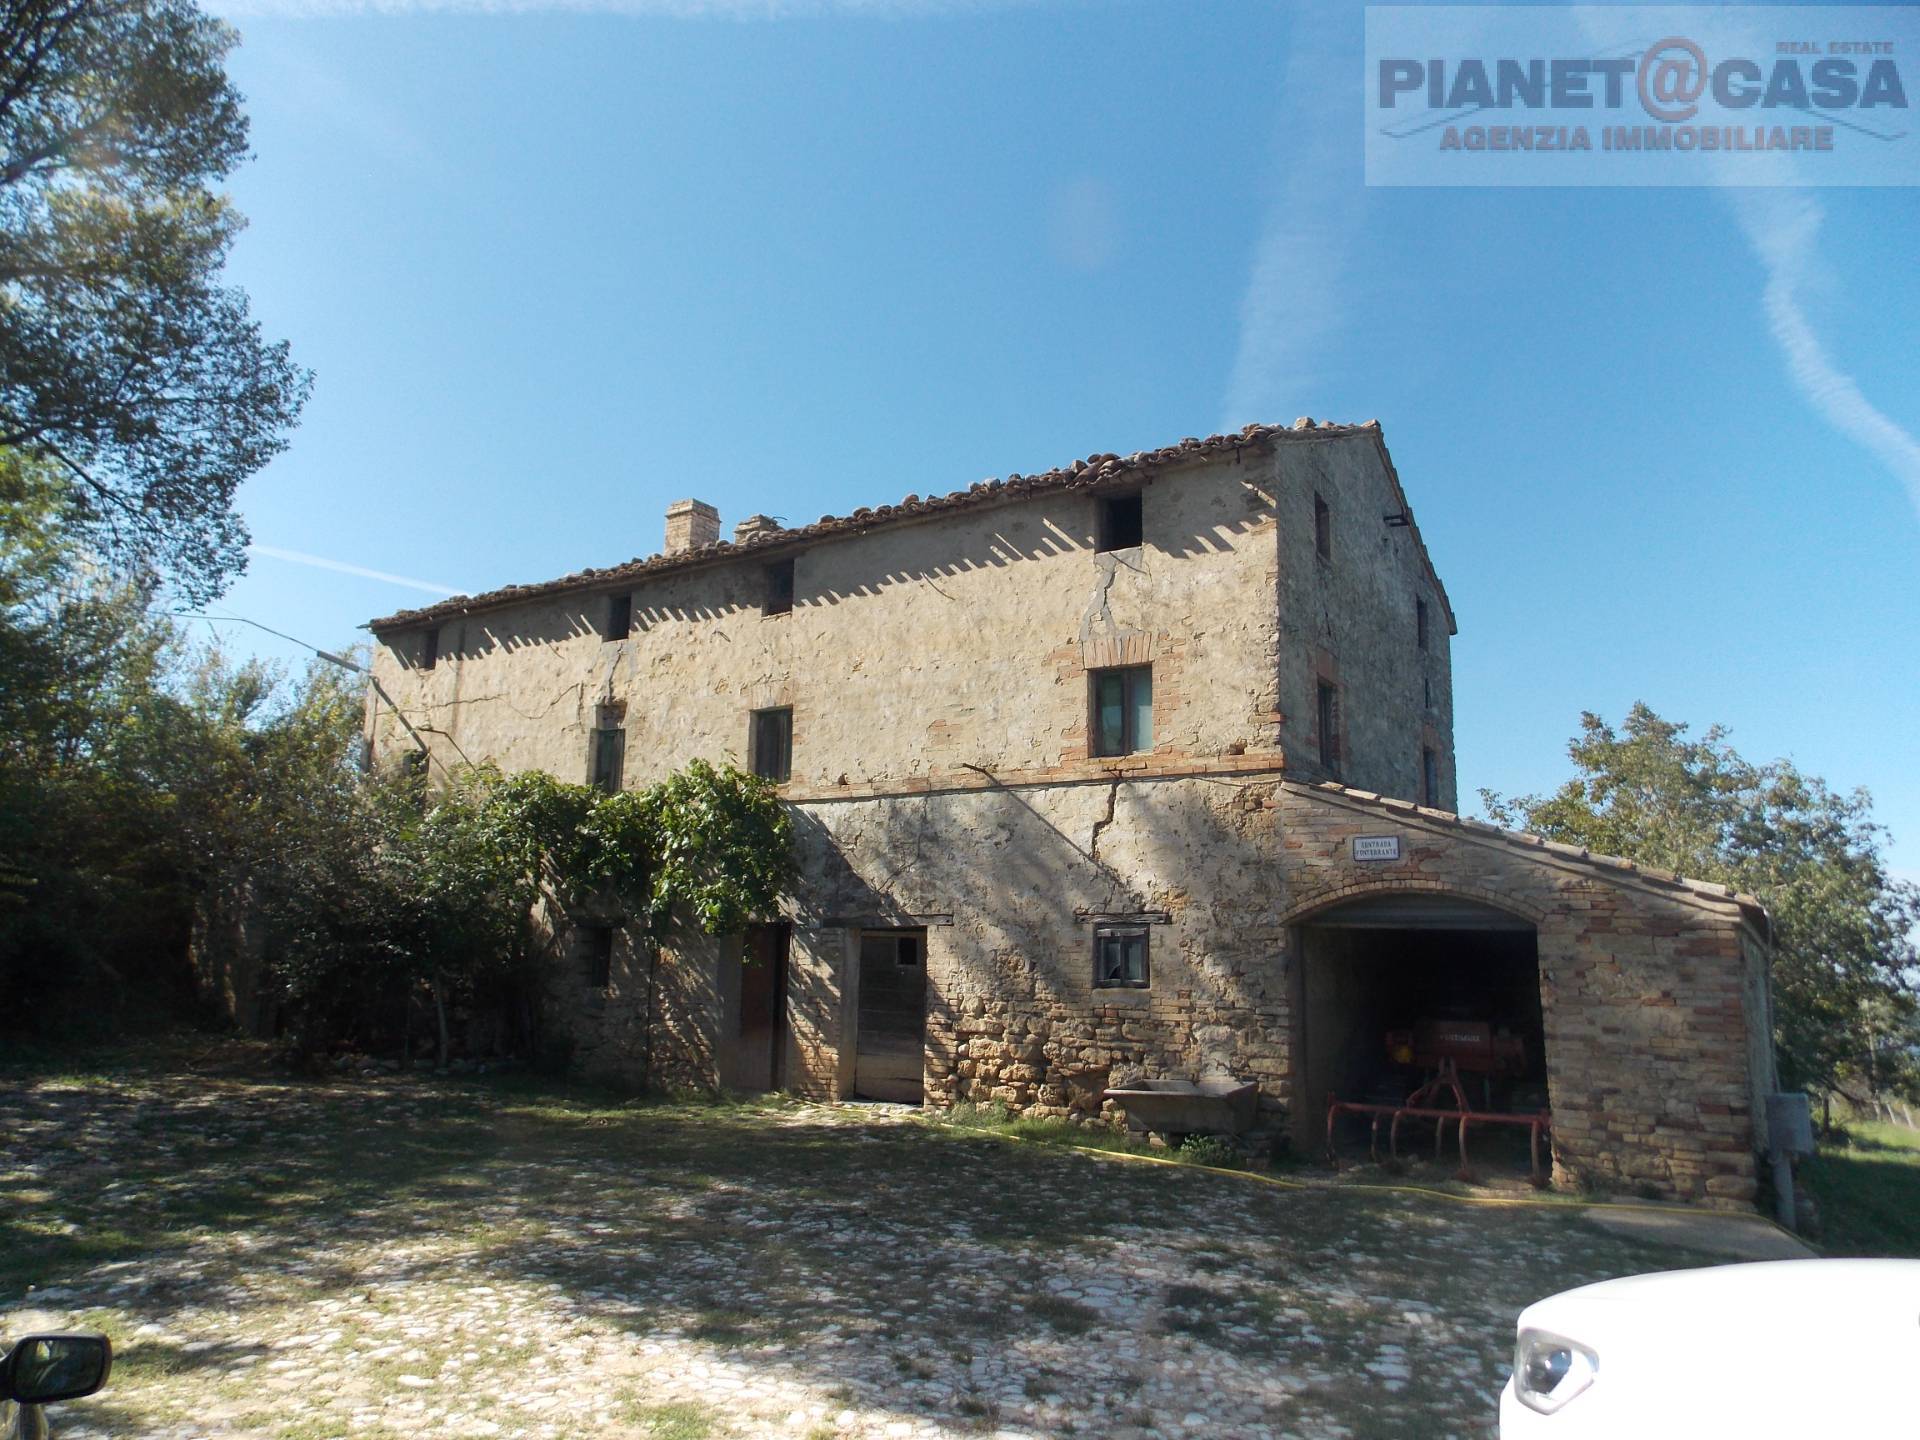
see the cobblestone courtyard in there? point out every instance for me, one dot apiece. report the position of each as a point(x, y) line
point(463, 1258)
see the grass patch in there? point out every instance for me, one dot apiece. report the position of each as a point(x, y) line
point(670, 1422)
point(1069, 1317)
point(728, 1328)
point(995, 1119)
point(1867, 1186)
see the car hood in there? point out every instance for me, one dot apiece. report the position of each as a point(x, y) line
point(1765, 1295)
point(1777, 1338)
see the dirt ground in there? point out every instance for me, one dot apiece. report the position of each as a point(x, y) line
point(472, 1257)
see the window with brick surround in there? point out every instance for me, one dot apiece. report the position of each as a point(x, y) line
point(1322, 527)
point(770, 745)
point(1120, 957)
point(1122, 702)
point(1122, 522)
point(619, 617)
point(1327, 714)
point(430, 649)
point(779, 580)
point(1420, 623)
point(1429, 776)
point(595, 944)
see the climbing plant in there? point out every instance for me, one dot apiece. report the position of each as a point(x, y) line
point(722, 846)
point(711, 839)
point(443, 886)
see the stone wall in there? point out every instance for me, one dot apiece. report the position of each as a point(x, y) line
point(916, 655)
point(662, 1020)
point(1351, 619)
point(1011, 884)
point(1656, 1055)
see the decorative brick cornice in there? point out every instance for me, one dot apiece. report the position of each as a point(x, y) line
point(1129, 769)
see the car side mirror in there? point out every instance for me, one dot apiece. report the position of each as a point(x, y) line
point(43, 1369)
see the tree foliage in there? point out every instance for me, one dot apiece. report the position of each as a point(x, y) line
point(137, 771)
point(443, 886)
point(722, 846)
point(124, 360)
point(153, 792)
point(1846, 974)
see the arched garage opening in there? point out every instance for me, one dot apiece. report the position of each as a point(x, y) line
point(1392, 985)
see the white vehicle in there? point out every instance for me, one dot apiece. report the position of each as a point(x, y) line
point(1798, 1348)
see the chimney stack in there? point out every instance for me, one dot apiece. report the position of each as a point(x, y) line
point(753, 527)
point(691, 524)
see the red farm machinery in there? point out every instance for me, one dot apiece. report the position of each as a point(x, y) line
point(1445, 1052)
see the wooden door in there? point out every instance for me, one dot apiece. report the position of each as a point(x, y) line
point(762, 1040)
point(890, 1054)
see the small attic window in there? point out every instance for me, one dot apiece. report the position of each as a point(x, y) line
point(619, 617)
point(779, 579)
point(1420, 623)
point(430, 649)
point(1322, 527)
point(1122, 525)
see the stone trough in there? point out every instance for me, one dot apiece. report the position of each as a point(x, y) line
point(1189, 1107)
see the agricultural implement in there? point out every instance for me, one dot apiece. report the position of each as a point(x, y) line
point(1443, 1049)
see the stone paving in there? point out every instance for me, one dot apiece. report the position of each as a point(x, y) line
point(465, 1258)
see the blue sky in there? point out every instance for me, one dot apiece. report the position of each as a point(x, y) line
point(557, 266)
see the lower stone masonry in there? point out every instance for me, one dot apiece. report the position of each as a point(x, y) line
point(1651, 992)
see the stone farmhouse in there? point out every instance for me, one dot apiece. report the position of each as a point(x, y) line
point(1141, 767)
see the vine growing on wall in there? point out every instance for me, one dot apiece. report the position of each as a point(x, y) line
point(710, 839)
point(402, 889)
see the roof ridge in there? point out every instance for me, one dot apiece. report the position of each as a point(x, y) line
point(1092, 470)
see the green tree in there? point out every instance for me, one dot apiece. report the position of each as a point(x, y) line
point(396, 893)
point(1846, 974)
point(154, 793)
point(123, 358)
point(77, 658)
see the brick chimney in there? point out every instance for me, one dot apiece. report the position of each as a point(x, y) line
point(753, 527)
point(691, 524)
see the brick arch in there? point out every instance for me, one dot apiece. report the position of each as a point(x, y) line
point(1302, 911)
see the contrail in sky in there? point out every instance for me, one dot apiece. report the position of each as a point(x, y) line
point(320, 562)
point(1782, 227)
point(1296, 300)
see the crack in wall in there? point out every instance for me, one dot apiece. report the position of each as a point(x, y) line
point(1099, 611)
point(1099, 608)
point(1115, 887)
point(1113, 798)
point(505, 699)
